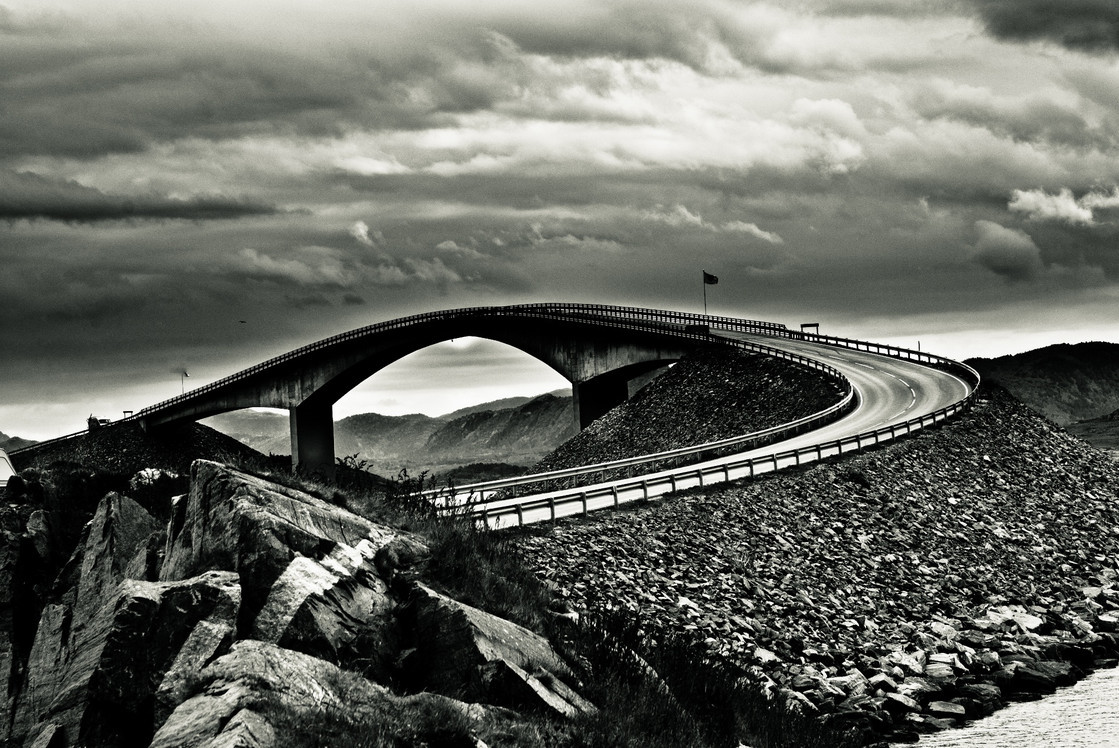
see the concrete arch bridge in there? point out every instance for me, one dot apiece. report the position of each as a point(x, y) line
point(606, 352)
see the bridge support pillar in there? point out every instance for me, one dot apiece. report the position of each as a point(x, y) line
point(312, 438)
point(593, 398)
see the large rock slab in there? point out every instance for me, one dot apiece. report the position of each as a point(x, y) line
point(252, 696)
point(96, 683)
point(119, 529)
point(314, 576)
point(466, 653)
point(233, 687)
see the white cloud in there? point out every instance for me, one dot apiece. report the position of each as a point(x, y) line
point(680, 216)
point(677, 215)
point(1040, 205)
point(360, 231)
point(752, 229)
point(1095, 200)
point(452, 247)
point(319, 266)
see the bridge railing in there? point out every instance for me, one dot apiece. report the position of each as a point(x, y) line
point(560, 312)
point(672, 458)
point(582, 500)
point(659, 460)
point(552, 506)
point(604, 313)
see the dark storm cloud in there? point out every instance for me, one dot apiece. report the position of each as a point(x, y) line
point(1086, 25)
point(68, 95)
point(1032, 118)
point(890, 8)
point(29, 196)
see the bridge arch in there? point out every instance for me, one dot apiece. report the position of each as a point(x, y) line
point(602, 361)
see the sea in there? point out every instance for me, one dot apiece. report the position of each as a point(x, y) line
point(1084, 715)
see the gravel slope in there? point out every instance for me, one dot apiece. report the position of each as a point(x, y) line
point(711, 394)
point(878, 565)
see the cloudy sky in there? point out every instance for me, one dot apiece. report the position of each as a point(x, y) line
point(199, 186)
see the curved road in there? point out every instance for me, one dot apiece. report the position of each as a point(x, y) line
point(890, 391)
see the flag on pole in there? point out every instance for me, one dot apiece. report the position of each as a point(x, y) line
point(709, 279)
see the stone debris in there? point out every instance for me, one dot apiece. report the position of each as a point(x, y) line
point(254, 594)
point(711, 394)
point(910, 587)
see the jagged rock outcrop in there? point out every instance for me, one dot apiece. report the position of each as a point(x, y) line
point(94, 683)
point(467, 653)
point(251, 695)
point(310, 571)
point(227, 708)
point(264, 592)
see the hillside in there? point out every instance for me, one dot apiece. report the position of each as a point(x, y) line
point(514, 431)
point(124, 448)
point(10, 443)
point(1065, 383)
point(897, 591)
point(1102, 432)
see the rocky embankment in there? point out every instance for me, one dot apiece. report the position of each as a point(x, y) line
point(894, 593)
point(712, 394)
point(125, 448)
point(258, 615)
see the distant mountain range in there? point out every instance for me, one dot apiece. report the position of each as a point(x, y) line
point(516, 431)
point(1066, 383)
point(12, 443)
point(1076, 386)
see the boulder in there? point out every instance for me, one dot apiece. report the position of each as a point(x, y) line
point(119, 528)
point(946, 709)
point(1028, 682)
point(314, 576)
point(902, 703)
point(246, 697)
point(981, 698)
point(96, 683)
point(466, 653)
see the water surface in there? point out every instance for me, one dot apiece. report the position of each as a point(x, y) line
point(1085, 715)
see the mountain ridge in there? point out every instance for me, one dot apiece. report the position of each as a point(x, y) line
point(1065, 382)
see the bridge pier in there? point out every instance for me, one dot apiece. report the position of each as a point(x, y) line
point(312, 438)
point(594, 397)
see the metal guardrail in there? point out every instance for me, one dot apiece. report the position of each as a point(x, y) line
point(614, 493)
point(699, 452)
point(743, 442)
point(647, 487)
point(601, 313)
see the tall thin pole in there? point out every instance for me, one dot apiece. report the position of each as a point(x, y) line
point(703, 279)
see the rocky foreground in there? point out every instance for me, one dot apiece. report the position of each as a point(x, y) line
point(258, 615)
point(894, 593)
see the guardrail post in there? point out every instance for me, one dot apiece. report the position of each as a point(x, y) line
point(583, 496)
point(614, 490)
point(552, 506)
point(520, 516)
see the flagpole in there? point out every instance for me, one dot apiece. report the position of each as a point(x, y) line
point(704, 281)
